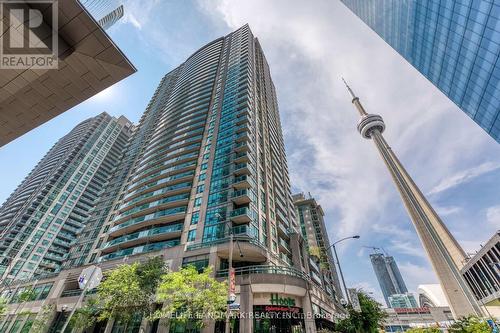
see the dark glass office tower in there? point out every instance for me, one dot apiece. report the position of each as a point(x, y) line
point(388, 276)
point(453, 43)
point(40, 221)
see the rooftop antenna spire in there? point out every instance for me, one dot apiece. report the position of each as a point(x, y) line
point(355, 99)
point(349, 89)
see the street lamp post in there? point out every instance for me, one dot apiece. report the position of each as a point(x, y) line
point(338, 263)
point(229, 269)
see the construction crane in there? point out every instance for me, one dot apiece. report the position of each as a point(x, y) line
point(376, 249)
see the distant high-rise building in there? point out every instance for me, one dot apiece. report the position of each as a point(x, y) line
point(443, 250)
point(111, 18)
point(388, 276)
point(311, 222)
point(454, 44)
point(106, 13)
point(402, 301)
point(41, 219)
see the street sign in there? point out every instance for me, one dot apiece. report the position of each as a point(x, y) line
point(234, 307)
point(90, 277)
point(353, 295)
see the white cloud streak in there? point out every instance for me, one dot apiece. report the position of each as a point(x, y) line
point(463, 177)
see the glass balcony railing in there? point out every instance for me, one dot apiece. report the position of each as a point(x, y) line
point(141, 249)
point(280, 270)
point(163, 201)
point(161, 181)
point(153, 216)
point(185, 185)
point(145, 233)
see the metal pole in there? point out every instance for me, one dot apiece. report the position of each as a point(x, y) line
point(228, 326)
point(82, 295)
point(341, 274)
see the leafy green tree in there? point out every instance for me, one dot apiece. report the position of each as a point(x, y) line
point(4, 304)
point(424, 330)
point(367, 321)
point(128, 291)
point(189, 296)
point(43, 319)
point(86, 316)
point(471, 324)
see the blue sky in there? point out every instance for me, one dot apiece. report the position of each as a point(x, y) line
point(308, 49)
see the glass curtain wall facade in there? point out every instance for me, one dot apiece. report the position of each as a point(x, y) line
point(454, 44)
point(214, 162)
point(40, 221)
point(388, 275)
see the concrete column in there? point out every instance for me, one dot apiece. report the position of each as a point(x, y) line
point(163, 326)
point(246, 305)
point(209, 328)
point(109, 325)
point(308, 311)
point(145, 326)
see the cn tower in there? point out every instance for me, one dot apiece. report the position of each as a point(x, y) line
point(442, 248)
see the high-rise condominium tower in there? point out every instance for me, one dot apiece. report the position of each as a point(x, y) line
point(454, 44)
point(443, 250)
point(310, 217)
point(214, 160)
point(207, 160)
point(40, 220)
point(388, 275)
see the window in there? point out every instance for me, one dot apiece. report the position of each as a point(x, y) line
point(195, 218)
point(202, 177)
point(200, 188)
point(197, 202)
point(191, 235)
point(204, 166)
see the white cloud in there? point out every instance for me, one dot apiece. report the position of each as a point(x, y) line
point(464, 176)
point(407, 247)
point(493, 215)
point(308, 51)
point(371, 290)
point(415, 274)
point(139, 13)
point(447, 210)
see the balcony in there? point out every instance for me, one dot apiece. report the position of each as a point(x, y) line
point(242, 182)
point(151, 235)
point(55, 257)
point(241, 197)
point(241, 147)
point(283, 230)
point(167, 202)
point(241, 215)
point(163, 216)
point(274, 270)
point(313, 265)
point(242, 169)
point(241, 157)
point(140, 249)
point(284, 245)
point(62, 243)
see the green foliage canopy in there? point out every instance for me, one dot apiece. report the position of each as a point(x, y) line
point(190, 296)
point(367, 321)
